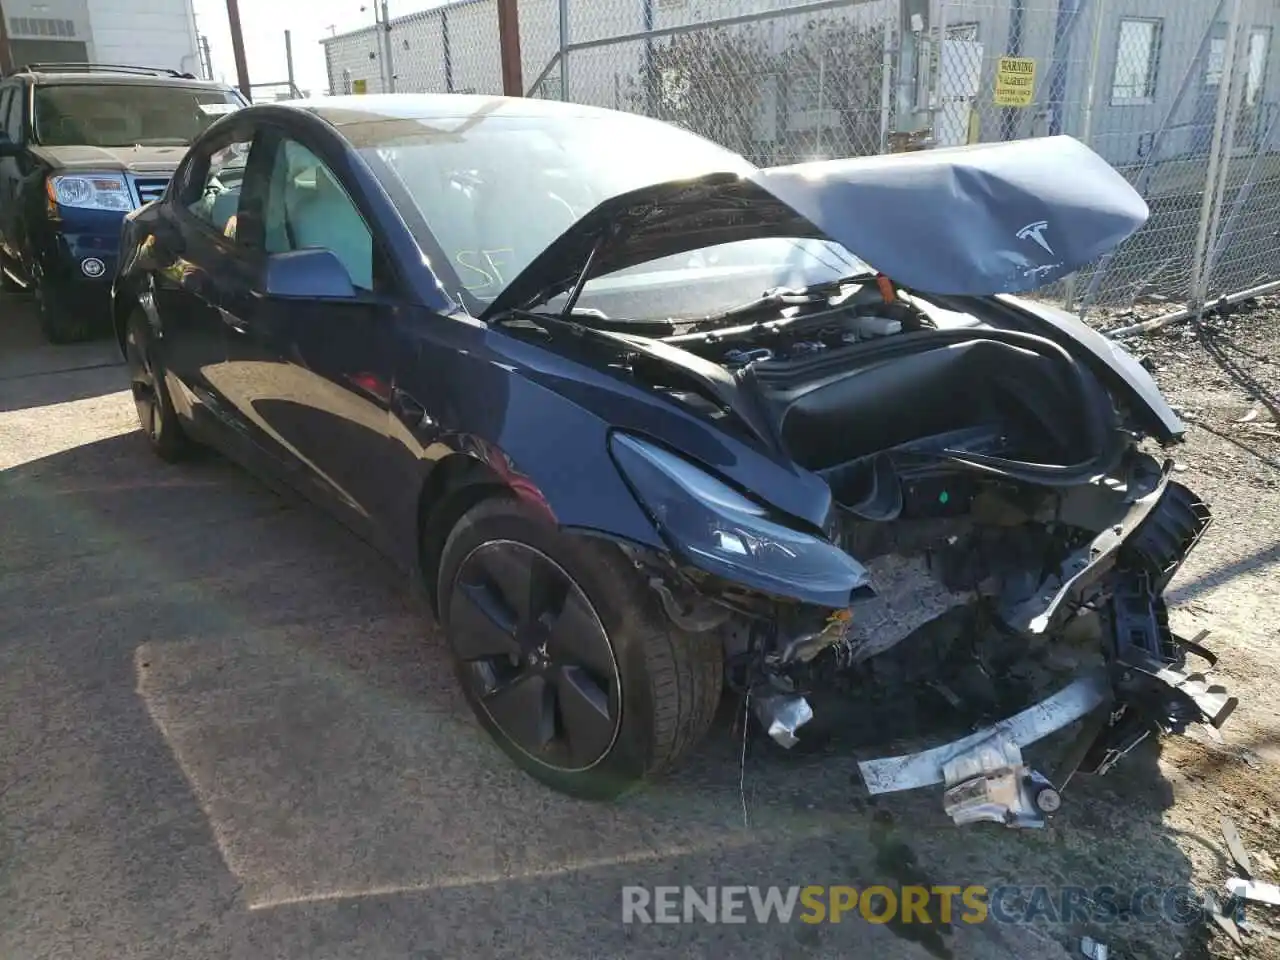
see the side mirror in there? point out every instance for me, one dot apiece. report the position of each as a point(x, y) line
point(311, 274)
point(7, 147)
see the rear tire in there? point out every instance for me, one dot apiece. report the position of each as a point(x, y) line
point(151, 398)
point(566, 658)
point(59, 321)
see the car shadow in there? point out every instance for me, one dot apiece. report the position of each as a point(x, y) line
point(62, 385)
point(229, 719)
point(34, 373)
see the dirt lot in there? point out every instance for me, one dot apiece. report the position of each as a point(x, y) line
point(226, 730)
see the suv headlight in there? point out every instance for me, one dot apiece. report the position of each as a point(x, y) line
point(90, 191)
point(719, 530)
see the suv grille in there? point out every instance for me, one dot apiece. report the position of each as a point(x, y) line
point(149, 188)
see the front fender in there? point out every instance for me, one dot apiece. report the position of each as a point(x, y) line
point(543, 420)
point(555, 454)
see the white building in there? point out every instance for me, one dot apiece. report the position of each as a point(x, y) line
point(145, 33)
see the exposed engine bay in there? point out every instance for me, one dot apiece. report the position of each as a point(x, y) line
point(991, 486)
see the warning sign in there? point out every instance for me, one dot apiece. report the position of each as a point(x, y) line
point(360, 86)
point(1015, 81)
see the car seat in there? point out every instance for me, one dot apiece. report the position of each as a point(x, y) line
point(224, 207)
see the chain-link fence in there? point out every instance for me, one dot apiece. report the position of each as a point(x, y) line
point(781, 83)
point(1180, 97)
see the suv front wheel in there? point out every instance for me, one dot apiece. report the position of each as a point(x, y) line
point(60, 322)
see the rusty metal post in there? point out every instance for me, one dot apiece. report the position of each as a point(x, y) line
point(509, 44)
point(237, 47)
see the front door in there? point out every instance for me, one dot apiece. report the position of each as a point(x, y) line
point(313, 375)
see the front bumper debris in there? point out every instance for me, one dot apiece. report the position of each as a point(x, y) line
point(990, 782)
point(1144, 689)
point(992, 754)
point(782, 714)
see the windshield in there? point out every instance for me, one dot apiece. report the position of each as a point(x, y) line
point(125, 115)
point(495, 193)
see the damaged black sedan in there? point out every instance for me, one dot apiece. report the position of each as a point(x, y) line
point(651, 423)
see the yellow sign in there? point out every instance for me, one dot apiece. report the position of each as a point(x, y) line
point(1015, 81)
point(360, 86)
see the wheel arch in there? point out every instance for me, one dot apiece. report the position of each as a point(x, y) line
point(455, 485)
point(124, 298)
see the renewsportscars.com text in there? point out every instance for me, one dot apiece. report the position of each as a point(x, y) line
point(910, 904)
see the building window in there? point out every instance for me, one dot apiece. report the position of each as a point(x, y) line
point(42, 27)
point(1137, 61)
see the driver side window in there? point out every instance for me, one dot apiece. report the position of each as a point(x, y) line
point(307, 207)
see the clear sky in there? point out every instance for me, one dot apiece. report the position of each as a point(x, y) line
point(264, 23)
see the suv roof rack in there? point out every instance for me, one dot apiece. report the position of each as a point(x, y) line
point(73, 67)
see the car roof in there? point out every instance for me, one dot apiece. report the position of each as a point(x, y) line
point(342, 111)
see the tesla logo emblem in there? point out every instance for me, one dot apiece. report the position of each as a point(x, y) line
point(1035, 231)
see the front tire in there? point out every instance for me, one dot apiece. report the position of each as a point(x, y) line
point(565, 657)
point(59, 321)
point(151, 398)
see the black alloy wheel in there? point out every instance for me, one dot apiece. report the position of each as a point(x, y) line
point(151, 398)
point(536, 655)
point(565, 654)
point(59, 321)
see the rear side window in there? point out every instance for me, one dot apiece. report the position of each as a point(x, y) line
point(215, 198)
point(126, 115)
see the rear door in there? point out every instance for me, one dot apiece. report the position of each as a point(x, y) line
point(313, 376)
point(201, 272)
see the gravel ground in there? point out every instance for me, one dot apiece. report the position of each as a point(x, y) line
point(226, 730)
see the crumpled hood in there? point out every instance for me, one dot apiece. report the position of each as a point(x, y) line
point(132, 159)
point(973, 221)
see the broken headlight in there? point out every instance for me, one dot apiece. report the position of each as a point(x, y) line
point(719, 530)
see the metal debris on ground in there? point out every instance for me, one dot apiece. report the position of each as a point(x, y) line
point(1234, 844)
point(1094, 949)
point(1254, 890)
point(1222, 918)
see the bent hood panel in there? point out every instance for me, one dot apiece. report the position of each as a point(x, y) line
point(976, 221)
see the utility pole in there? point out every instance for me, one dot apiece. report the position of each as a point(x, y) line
point(237, 47)
point(509, 44)
point(288, 61)
point(6, 55)
point(386, 38)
